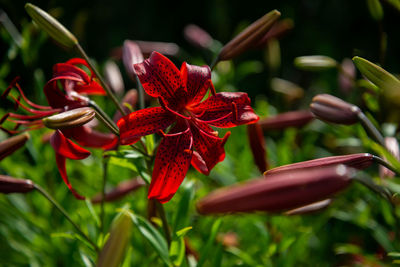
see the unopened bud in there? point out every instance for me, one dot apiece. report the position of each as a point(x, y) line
point(332, 109)
point(10, 145)
point(10, 184)
point(387, 82)
point(50, 25)
point(393, 147)
point(291, 91)
point(282, 191)
point(71, 118)
point(197, 36)
point(113, 251)
point(249, 37)
point(315, 63)
point(114, 77)
point(285, 120)
point(358, 161)
point(257, 145)
point(131, 54)
point(120, 190)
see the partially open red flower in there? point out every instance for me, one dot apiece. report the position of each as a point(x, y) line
point(190, 140)
point(65, 91)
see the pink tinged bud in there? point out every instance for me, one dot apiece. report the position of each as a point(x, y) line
point(332, 109)
point(9, 185)
point(113, 77)
point(167, 49)
point(69, 119)
point(120, 190)
point(358, 161)
point(10, 145)
point(131, 54)
point(311, 208)
point(282, 191)
point(197, 36)
point(249, 37)
point(284, 120)
point(393, 146)
point(257, 145)
point(129, 101)
point(347, 75)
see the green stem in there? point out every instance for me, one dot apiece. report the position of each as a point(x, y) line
point(161, 213)
point(382, 191)
point(63, 212)
point(103, 194)
point(385, 164)
point(369, 126)
point(103, 119)
point(102, 82)
point(214, 62)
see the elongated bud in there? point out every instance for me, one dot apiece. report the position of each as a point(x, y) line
point(50, 25)
point(131, 54)
point(10, 184)
point(315, 63)
point(393, 146)
point(311, 208)
point(282, 191)
point(71, 118)
point(113, 251)
point(114, 77)
point(257, 145)
point(347, 75)
point(249, 37)
point(167, 49)
point(10, 145)
point(357, 161)
point(288, 119)
point(197, 36)
point(290, 90)
point(120, 190)
point(332, 109)
point(389, 84)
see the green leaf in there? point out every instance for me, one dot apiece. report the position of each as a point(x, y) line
point(152, 235)
point(204, 254)
point(92, 212)
point(182, 214)
point(177, 251)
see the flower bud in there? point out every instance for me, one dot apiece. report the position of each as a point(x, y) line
point(393, 146)
point(387, 82)
point(120, 190)
point(197, 36)
point(347, 75)
point(113, 77)
point(9, 185)
point(290, 90)
point(282, 191)
point(313, 207)
point(249, 37)
point(315, 63)
point(10, 145)
point(332, 109)
point(71, 118)
point(167, 49)
point(357, 161)
point(281, 121)
point(257, 145)
point(131, 54)
point(113, 251)
point(50, 25)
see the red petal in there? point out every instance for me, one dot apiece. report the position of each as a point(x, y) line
point(64, 70)
point(172, 162)
point(197, 81)
point(159, 76)
point(80, 61)
point(66, 147)
point(63, 172)
point(143, 122)
point(86, 136)
point(226, 110)
point(257, 145)
point(209, 148)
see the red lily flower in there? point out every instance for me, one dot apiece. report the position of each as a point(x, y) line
point(191, 140)
point(65, 91)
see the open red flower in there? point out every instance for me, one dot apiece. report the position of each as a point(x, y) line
point(65, 91)
point(190, 140)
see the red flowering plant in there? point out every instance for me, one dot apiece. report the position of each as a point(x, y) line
point(190, 139)
point(64, 92)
